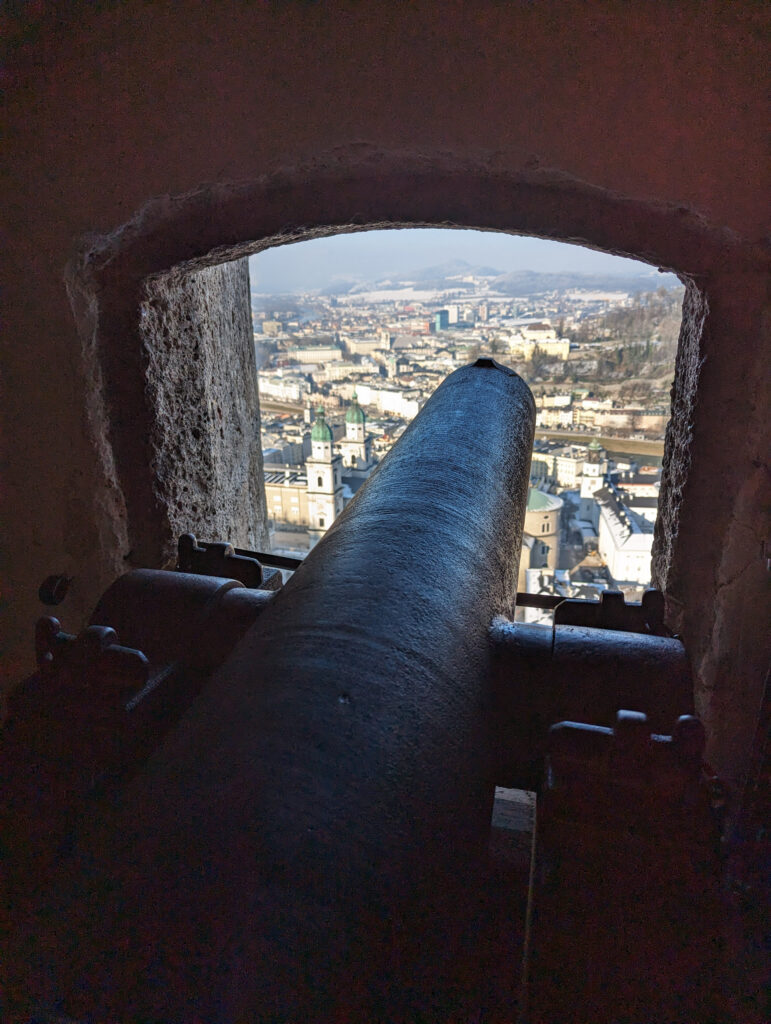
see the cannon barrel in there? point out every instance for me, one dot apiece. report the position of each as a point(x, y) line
point(301, 846)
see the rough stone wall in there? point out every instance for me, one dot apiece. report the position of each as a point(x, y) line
point(201, 383)
point(712, 562)
point(679, 433)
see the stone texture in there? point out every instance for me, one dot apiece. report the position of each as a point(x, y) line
point(201, 384)
point(716, 509)
point(679, 434)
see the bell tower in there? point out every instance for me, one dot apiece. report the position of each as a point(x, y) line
point(592, 480)
point(325, 480)
point(356, 447)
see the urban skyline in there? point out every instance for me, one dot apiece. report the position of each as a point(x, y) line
point(344, 369)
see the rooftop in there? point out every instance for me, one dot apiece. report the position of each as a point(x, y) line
point(629, 530)
point(539, 501)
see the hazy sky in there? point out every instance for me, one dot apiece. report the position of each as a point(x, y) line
point(369, 255)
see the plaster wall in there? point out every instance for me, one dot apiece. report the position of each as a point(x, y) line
point(141, 138)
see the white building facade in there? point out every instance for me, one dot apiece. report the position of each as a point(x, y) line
point(625, 540)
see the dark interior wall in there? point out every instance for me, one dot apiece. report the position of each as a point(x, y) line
point(133, 124)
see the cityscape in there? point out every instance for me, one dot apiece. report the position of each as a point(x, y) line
point(343, 369)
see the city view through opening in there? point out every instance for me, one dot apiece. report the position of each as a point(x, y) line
point(353, 333)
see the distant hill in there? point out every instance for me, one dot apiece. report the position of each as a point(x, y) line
point(443, 271)
point(530, 282)
point(340, 286)
point(449, 277)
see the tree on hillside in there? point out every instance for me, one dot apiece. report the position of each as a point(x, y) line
point(536, 364)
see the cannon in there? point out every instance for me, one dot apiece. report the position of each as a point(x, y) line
point(231, 799)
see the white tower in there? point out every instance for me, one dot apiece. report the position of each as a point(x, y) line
point(325, 481)
point(356, 447)
point(592, 480)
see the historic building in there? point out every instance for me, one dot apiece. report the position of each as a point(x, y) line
point(356, 446)
point(592, 479)
point(325, 478)
point(625, 539)
point(307, 496)
point(286, 495)
point(541, 535)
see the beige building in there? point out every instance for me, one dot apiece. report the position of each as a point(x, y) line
point(541, 537)
point(643, 421)
point(286, 493)
point(283, 388)
point(311, 496)
point(523, 347)
point(568, 465)
point(314, 354)
point(554, 418)
point(365, 346)
point(404, 402)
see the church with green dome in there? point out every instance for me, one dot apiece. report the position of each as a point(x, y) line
point(324, 478)
point(306, 496)
point(356, 446)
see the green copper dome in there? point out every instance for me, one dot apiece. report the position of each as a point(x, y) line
point(539, 501)
point(321, 430)
point(355, 412)
point(594, 451)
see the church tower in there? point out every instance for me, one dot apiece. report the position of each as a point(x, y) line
point(354, 421)
point(592, 480)
point(325, 479)
point(356, 447)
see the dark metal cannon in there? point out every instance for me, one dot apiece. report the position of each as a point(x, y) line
point(300, 845)
point(276, 805)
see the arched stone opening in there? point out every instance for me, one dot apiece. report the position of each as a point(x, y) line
point(169, 254)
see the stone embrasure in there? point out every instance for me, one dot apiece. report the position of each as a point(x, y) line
point(206, 442)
